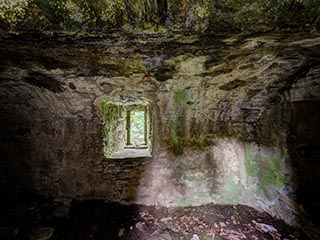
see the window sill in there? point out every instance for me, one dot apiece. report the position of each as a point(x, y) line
point(131, 153)
point(136, 147)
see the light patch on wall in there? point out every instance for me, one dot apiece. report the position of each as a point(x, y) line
point(230, 172)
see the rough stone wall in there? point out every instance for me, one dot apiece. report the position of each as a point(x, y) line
point(223, 109)
point(158, 16)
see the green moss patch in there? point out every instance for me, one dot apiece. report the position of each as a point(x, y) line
point(111, 113)
point(233, 191)
point(271, 175)
point(250, 163)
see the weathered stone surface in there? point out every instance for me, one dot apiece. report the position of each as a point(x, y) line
point(235, 119)
point(158, 16)
point(41, 233)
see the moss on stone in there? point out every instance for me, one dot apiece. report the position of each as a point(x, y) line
point(139, 15)
point(233, 191)
point(186, 167)
point(202, 194)
point(176, 144)
point(268, 172)
point(110, 115)
point(185, 202)
point(200, 142)
point(179, 96)
point(180, 139)
point(271, 175)
point(250, 163)
point(177, 123)
point(192, 178)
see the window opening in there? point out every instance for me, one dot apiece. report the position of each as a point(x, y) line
point(137, 127)
point(127, 126)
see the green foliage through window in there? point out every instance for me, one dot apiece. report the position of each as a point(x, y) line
point(137, 122)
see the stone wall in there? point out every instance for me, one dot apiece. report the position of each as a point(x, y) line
point(158, 16)
point(235, 119)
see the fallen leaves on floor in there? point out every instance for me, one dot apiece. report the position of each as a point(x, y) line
point(91, 220)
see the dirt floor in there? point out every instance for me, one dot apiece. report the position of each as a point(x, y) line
point(37, 218)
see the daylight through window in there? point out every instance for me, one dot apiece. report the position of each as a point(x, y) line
point(137, 135)
point(127, 127)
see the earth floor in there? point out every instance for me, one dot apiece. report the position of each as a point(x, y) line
point(38, 218)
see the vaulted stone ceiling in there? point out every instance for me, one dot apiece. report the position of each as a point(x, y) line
point(235, 114)
point(158, 15)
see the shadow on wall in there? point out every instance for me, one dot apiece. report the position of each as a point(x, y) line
point(48, 149)
point(304, 151)
point(43, 152)
point(30, 132)
point(122, 179)
point(15, 128)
